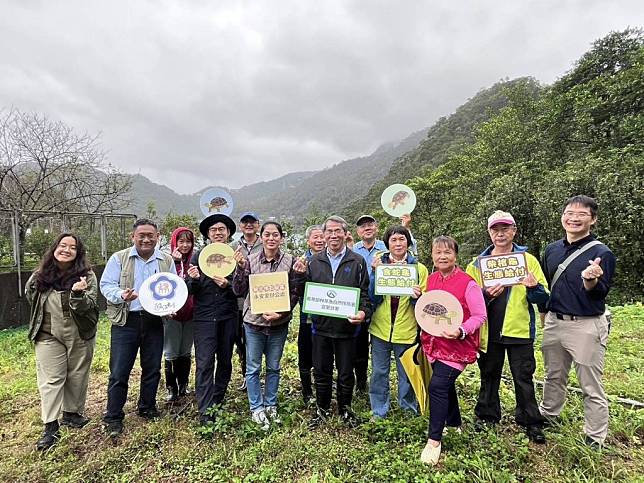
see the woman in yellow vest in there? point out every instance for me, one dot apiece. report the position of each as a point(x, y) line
point(393, 326)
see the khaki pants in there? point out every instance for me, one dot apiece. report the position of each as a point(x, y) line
point(582, 341)
point(63, 363)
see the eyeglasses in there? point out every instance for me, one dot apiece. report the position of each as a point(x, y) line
point(217, 229)
point(578, 214)
point(248, 222)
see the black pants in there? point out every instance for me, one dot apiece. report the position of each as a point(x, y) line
point(522, 366)
point(305, 349)
point(240, 342)
point(361, 361)
point(142, 331)
point(325, 351)
point(443, 401)
point(213, 339)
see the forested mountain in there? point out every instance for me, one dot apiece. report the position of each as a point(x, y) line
point(289, 197)
point(447, 136)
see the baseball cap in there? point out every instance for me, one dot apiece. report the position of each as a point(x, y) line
point(365, 218)
point(500, 218)
point(249, 214)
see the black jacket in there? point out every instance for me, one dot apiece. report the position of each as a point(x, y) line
point(211, 302)
point(352, 272)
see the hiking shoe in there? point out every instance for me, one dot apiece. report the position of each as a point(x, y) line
point(149, 414)
point(49, 436)
point(593, 443)
point(320, 417)
point(431, 454)
point(74, 420)
point(349, 418)
point(271, 412)
point(259, 417)
point(114, 429)
point(535, 434)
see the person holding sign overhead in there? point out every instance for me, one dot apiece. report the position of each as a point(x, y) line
point(266, 332)
point(334, 336)
point(215, 314)
point(511, 328)
point(580, 271)
point(133, 328)
point(393, 327)
point(457, 346)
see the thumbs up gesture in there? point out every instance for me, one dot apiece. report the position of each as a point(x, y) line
point(593, 270)
point(81, 285)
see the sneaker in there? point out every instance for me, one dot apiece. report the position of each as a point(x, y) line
point(74, 420)
point(259, 417)
point(206, 419)
point(271, 412)
point(49, 436)
point(452, 429)
point(431, 454)
point(535, 434)
point(320, 417)
point(149, 414)
point(114, 429)
point(593, 443)
point(349, 418)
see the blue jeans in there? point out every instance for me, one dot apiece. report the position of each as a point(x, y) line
point(259, 344)
point(142, 332)
point(379, 387)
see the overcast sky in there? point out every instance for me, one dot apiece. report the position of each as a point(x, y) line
point(199, 93)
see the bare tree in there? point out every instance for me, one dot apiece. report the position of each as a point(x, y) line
point(46, 166)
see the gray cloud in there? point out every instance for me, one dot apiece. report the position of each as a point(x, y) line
point(198, 93)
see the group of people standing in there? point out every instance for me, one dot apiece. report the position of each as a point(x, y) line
point(569, 293)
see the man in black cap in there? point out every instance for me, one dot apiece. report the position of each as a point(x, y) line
point(215, 321)
point(250, 243)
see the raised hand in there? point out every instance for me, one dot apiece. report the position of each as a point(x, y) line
point(300, 265)
point(81, 285)
point(176, 254)
point(529, 281)
point(193, 272)
point(405, 220)
point(593, 270)
point(129, 294)
point(239, 257)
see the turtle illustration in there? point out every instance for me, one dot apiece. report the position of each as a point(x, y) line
point(439, 312)
point(217, 204)
point(218, 259)
point(400, 198)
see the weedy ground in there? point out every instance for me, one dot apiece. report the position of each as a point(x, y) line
point(176, 449)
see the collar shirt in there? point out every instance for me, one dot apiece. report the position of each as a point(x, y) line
point(369, 253)
point(569, 296)
point(336, 259)
point(248, 249)
point(142, 270)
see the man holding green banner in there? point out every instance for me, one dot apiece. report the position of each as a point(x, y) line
point(334, 337)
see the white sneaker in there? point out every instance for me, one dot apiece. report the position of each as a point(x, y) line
point(271, 412)
point(431, 454)
point(259, 417)
point(452, 429)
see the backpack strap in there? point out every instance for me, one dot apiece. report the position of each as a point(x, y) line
point(563, 265)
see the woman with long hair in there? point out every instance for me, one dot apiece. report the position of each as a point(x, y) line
point(62, 326)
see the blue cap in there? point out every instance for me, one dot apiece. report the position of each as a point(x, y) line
point(249, 214)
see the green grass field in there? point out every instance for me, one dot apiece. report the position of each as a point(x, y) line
point(178, 450)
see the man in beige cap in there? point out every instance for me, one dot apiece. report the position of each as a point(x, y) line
point(511, 328)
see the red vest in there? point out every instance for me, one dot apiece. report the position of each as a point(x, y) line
point(463, 351)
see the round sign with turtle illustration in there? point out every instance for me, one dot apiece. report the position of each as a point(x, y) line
point(398, 200)
point(217, 259)
point(163, 293)
point(438, 310)
point(216, 200)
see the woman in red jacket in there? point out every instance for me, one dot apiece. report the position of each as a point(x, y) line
point(450, 353)
point(178, 331)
